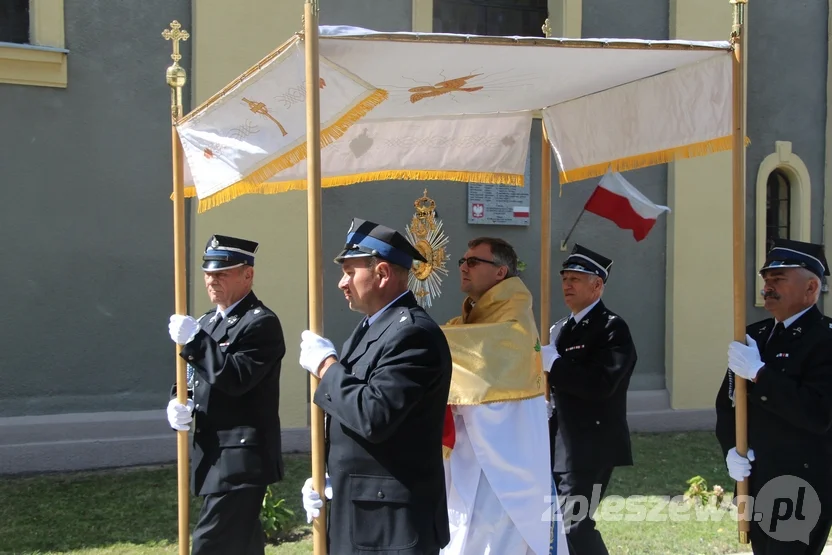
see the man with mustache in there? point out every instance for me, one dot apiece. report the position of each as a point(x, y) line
point(787, 361)
point(384, 399)
point(590, 359)
point(234, 354)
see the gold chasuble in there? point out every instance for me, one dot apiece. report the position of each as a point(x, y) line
point(495, 348)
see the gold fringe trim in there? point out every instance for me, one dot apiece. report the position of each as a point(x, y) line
point(498, 398)
point(446, 452)
point(651, 159)
point(251, 182)
point(245, 188)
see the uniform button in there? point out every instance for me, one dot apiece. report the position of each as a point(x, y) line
point(380, 495)
point(597, 422)
point(196, 406)
point(243, 440)
point(196, 431)
point(763, 398)
point(328, 398)
point(196, 383)
point(805, 465)
point(190, 357)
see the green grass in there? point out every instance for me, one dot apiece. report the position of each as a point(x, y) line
point(134, 511)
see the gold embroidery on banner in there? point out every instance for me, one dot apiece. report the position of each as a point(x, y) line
point(263, 110)
point(442, 88)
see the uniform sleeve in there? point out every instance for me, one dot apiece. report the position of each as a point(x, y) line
point(805, 403)
point(725, 418)
point(598, 375)
point(257, 351)
point(374, 408)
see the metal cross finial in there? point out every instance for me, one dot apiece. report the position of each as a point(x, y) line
point(547, 29)
point(175, 35)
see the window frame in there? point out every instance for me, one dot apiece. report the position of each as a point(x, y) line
point(501, 5)
point(788, 163)
point(42, 62)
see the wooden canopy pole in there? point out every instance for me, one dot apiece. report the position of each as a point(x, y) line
point(545, 238)
point(176, 79)
point(545, 225)
point(315, 258)
point(738, 163)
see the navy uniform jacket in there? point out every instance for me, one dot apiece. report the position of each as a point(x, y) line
point(589, 386)
point(385, 403)
point(236, 397)
point(789, 407)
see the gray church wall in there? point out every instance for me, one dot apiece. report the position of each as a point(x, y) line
point(86, 219)
point(787, 57)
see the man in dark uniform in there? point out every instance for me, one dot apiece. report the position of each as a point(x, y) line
point(234, 354)
point(590, 362)
point(385, 398)
point(787, 361)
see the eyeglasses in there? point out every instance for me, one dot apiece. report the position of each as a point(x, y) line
point(473, 261)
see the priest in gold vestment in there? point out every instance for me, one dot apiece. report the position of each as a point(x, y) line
point(496, 441)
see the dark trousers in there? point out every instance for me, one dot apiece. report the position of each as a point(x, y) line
point(763, 544)
point(575, 494)
point(230, 523)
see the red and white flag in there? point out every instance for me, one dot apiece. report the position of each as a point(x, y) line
point(520, 211)
point(616, 199)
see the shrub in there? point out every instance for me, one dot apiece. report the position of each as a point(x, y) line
point(277, 519)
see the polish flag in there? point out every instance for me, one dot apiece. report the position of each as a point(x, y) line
point(616, 199)
point(521, 211)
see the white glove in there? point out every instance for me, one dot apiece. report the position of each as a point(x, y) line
point(744, 360)
point(182, 328)
point(550, 354)
point(314, 349)
point(179, 415)
point(739, 467)
point(554, 331)
point(550, 406)
point(312, 500)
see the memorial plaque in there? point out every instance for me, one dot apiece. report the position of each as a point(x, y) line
point(500, 204)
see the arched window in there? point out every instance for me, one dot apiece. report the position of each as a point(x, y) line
point(778, 207)
point(490, 17)
point(783, 197)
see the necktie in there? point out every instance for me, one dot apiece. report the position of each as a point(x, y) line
point(569, 326)
point(776, 332)
point(217, 319)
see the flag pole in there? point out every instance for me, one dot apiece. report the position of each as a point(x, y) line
point(545, 227)
point(176, 79)
point(568, 235)
point(738, 166)
point(315, 258)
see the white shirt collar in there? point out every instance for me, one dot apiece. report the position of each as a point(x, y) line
point(579, 316)
point(227, 311)
point(791, 319)
point(375, 316)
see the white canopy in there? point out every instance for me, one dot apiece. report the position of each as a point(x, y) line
point(457, 107)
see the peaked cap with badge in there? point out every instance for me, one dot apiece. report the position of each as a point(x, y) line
point(366, 238)
point(796, 254)
point(586, 261)
point(223, 253)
